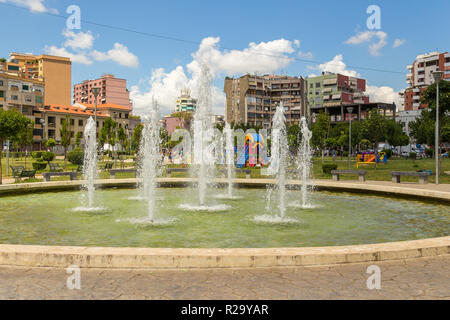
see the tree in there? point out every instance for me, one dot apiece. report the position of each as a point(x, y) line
point(374, 128)
point(66, 137)
point(12, 123)
point(108, 133)
point(25, 138)
point(293, 135)
point(320, 131)
point(78, 138)
point(136, 138)
point(394, 134)
point(50, 143)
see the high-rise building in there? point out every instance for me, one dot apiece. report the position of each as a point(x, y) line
point(112, 91)
point(421, 76)
point(333, 93)
point(185, 103)
point(253, 99)
point(54, 72)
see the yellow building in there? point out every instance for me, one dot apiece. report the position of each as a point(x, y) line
point(55, 72)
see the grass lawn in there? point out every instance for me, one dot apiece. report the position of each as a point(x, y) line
point(380, 173)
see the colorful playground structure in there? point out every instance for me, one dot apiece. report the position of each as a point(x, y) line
point(364, 158)
point(254, 153)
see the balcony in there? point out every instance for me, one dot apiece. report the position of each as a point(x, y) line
point(416, 97)
point(416, 90)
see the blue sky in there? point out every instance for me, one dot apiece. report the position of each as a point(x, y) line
point(325, 31)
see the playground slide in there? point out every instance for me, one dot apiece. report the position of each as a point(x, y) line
point(242, 158)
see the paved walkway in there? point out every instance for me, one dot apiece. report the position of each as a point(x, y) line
point(406, 279)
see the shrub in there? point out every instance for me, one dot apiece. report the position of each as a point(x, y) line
point(345, 154)
point(51, 143)
point(429, 153)
point(39, 166)
point(327, 168)
point(36, 154)
point(413, 155)
point(76, 156)
point(48, 156)
point(388, 152)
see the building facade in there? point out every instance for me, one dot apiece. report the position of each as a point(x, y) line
point(253, 99)
point(112, 91)
point(185, 103)
point(334, 93)
point(421, 76)
point(54, 72)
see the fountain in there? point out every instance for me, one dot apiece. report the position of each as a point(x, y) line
point(279, 156)
point(204, 144)
point(149, 155)
point(304, 163)
point(90, 164)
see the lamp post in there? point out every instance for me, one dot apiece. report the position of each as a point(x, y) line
point(350, 111)
point(115, 141)
point(95, 91)
point(437, 78)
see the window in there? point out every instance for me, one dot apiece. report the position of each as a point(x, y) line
point(1, 94)
point(1, 82)
point(80, 123)
point(317, 84)
point(39, 99)
point(15, 98)
point(13, 68)
point(72, 122)
point(25, 87)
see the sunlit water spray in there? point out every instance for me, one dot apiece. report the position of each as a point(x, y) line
point(279, 156)
point(304, 164)
point(204, 145)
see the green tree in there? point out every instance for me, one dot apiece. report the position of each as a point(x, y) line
point(320, 131)
point(374, 128)
point(78, 138)
point(25, 138)
point(50, 143)
point(66, 137)
point(136, 138)
point(108, 133)
point(294, 135)
point(12, 123)
point(394, 134)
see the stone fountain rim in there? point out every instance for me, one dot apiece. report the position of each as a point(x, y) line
point(155, 258)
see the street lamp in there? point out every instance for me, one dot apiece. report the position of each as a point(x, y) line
point(115, 141)
point(437, 75)
point(350, 111)
point(95, 91)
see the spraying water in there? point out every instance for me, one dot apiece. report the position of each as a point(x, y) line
point(149, 155)
point(230, 157)
point(203, 136)
point(304, 163)
point(90, 160)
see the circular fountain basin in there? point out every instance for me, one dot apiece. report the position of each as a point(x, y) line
point(338, 219)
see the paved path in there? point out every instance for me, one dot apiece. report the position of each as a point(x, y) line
point(406, 279)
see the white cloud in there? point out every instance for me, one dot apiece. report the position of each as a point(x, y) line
point(398, 43)
point(305, 55)
point(119, 54)
point(80, 40)
point(166, 86)
point(336, 65)
point(368, 36)
point(81, 50)
point(36, 6)
point(384, 94)
point(62, 52)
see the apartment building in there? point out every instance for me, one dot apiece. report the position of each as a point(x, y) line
point(421, 76)
point(54, 115)
point(112, 91)
point(334, 93)
point(54, 72)
point(253, 99)
point(185, 103)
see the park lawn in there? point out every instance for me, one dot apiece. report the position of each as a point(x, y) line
point(380, 173)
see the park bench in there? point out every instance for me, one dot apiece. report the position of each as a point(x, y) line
point(108, 165)
point(361, 174)
point(169, 171)
point(247, 172)
point(54, 167)
point(113, 172)
point(423, 176)
point(48, 175)
point(20, 172)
